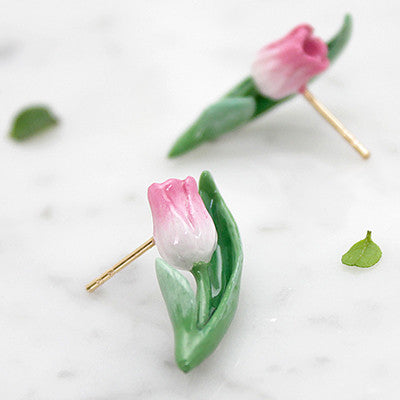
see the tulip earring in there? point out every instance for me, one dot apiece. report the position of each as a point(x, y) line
point(284, 67)
point(281, 69)
point(194, 231)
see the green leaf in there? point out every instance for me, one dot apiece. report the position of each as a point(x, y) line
point(216, 120)
point(228, 257)
point(31, 121)
point(178, 295)
point(363, 254)
point(340, 40)
point(247, 89)
point(197, 336)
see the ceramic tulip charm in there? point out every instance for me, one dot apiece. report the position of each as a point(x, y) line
point(194, 231)
point(285, 67)
point(281, 69)
point(182, 227)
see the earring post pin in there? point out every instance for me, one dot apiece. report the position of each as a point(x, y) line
point(346, 134)
point(92, 286)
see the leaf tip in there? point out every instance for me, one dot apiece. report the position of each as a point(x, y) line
point(175, 151)
point(206, 181)
point(348, 18)
point(186, 142)
point(161, 268)
point(184, 365)
point(206, 175)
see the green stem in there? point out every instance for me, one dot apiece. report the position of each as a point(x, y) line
point(203, 293)
point(244, 88)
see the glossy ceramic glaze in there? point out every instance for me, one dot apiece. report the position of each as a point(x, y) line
point(200, 321)
point(182, 227)
point(243, 103)
point(285, 66)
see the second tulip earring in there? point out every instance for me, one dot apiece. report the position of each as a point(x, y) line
point(281, 69)
point(194, 231)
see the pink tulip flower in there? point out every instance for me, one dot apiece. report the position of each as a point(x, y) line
point(183, 230)
point(284, 67)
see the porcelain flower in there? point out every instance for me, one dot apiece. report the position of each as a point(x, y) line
point(284, 67)
point(183, 230)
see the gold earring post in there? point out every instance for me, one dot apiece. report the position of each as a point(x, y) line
point(92, 286)
point(336, 124)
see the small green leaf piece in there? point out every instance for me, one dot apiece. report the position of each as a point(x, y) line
point(363, 254)
point(31, 121)
point(216, 120)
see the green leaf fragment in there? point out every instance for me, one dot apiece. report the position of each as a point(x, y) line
point(363, 254)
point(31, 121)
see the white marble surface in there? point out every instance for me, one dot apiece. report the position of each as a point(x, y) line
point(126, 77)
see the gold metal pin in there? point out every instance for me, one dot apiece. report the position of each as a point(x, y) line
point(92, 286)
point(362, 150)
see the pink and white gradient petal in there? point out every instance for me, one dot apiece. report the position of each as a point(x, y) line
point(183, 230)
point(285, 66)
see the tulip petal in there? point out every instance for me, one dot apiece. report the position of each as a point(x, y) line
point(182, 227)
point(285, 66)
